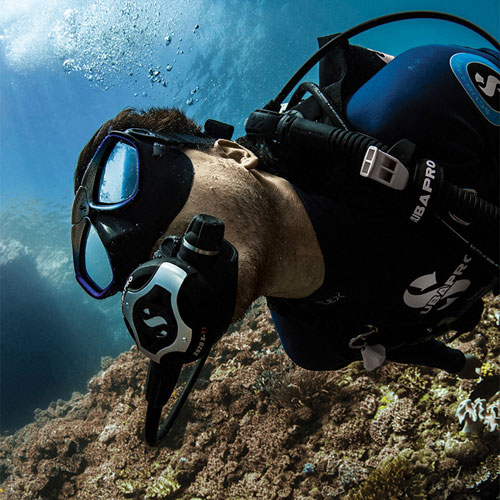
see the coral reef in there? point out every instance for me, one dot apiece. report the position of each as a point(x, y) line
point(394, 478)
point(492, 419)
point(258, 427)
point(472, 415)
point(477, 418)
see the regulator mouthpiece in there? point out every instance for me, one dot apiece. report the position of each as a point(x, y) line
point(176, 307)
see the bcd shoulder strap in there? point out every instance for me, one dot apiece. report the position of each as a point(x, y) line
point(345, 68)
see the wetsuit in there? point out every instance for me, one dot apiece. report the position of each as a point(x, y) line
point(412, 283)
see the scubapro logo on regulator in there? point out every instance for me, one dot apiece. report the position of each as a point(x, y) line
point(425, 293)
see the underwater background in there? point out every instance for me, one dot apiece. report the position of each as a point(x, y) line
point(66, 66)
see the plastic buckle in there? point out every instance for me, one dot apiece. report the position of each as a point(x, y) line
point(384, 168)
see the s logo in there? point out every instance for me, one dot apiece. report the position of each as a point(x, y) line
point(425, 293)
point(491, 85)
point(157, 324)
point(480, 78)
point(153, 321)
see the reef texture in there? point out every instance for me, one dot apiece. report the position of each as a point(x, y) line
point(256, 426)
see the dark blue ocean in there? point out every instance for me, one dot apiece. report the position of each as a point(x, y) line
point(66, 66)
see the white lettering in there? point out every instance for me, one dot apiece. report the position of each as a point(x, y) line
point(419, 210)
point(426, 186)
point(424, 199)
point(200, 346)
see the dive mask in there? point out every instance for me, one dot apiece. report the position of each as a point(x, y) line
point(134, 186)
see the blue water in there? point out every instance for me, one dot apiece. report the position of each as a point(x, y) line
point(66, 66)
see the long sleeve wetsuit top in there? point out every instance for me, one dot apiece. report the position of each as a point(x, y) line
point(409, 282)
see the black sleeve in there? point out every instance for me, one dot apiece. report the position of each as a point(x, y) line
point(431, 353)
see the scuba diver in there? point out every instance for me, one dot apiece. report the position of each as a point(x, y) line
point(366, 214)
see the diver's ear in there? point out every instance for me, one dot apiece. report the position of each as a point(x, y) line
point(234, 151)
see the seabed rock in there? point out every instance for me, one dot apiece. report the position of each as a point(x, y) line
point(258, 427)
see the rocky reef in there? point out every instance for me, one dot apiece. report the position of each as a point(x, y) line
point(256, 426)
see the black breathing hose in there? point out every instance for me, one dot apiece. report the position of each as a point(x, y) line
point(469, 207)
point(159, 388)
point(361, 28)
point(338, 142)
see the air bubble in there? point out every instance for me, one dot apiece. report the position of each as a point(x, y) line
point(169, 67)
point(189, 102)
point(69, 65)
point(69, 14)
point(168, 40)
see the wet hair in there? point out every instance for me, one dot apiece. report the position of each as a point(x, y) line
point(166, 120)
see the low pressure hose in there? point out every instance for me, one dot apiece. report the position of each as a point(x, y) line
point(325, 104)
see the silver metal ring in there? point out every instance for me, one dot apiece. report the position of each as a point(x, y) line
point(198, 250)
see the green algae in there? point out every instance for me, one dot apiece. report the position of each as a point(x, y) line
point(388, 397)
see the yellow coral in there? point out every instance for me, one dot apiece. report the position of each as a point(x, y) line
point(128, 486)
point(487, 369)
point(164, 485)
point(394, 479)
point(413, 380)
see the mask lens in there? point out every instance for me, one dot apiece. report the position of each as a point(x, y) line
point(120, 175)
point(97, 263)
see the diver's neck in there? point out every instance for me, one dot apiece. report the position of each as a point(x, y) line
point(294, 266)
